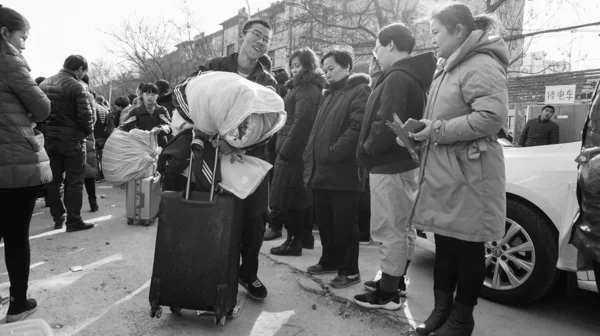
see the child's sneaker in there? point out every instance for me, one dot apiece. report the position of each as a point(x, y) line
point(20, 312)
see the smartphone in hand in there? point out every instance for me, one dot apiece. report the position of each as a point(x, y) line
point(413, 126)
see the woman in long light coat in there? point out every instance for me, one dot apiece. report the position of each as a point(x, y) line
point(462, 186)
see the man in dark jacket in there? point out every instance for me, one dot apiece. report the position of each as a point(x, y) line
point(400, 90)
point(256, 36)
point(70, 122)
point(541, 130)
point(331, 170)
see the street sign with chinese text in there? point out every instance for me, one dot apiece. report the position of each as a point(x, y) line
point(560, 94)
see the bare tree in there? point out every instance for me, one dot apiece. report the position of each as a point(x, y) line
point(143, 46)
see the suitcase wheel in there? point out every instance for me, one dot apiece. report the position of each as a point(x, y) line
point(176, 311)
point(156, 312)
point(234, 313)
point(129, 221)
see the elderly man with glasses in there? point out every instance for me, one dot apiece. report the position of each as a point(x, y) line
point(255, 40)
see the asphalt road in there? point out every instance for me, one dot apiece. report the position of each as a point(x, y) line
point(110, 295)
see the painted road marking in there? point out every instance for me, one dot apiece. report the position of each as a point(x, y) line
point(30, 267)
point(268, 324)
point(54, 232)
point(64, 279)
point(81, 326)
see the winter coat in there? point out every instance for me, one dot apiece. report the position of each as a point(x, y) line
point(586, 230)
point(71, 115)
point(301, 105)
point(104, 124)
point(257, 203)
point(538, 132)
point(330, 155)
point(166, 101)
point(463, 192)
point(401, 90)
point(23, 159)
point(91, 163)
point(142, 119)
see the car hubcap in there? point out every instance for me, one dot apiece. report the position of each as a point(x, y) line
point(509, 261)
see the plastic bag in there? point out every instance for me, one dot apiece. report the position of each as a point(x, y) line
point(129, 156)
point(242, 178)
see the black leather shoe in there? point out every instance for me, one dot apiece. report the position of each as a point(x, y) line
point(94, 207)
point(272, 234)
point(343, 281)
point(291, 247)
point(79, 226)
point(320, 269)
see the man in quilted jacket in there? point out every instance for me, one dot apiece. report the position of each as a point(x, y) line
point(69, 124)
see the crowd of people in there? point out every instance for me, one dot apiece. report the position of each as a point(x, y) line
point(335, 153)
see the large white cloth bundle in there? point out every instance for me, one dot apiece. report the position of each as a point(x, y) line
point(129, 156)
point(240, 111)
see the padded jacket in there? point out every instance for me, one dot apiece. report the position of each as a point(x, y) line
point(23, 160)
point(71, 116)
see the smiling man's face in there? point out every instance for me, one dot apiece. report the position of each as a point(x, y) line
point(256, 41)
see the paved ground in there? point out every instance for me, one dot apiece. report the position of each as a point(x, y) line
point(110, 295)
point(557, 314)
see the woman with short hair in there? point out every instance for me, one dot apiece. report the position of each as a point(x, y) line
point(289, 198)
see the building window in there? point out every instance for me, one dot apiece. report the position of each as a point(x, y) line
point(230, 49)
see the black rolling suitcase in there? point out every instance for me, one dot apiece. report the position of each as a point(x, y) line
point(197, 253)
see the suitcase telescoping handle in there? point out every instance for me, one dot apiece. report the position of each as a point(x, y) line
point(214, 175)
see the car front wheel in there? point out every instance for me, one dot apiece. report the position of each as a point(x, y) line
point(521, 267)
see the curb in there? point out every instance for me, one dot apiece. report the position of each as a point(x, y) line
point(316, 286)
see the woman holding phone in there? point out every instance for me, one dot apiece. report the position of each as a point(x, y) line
point(462, 183)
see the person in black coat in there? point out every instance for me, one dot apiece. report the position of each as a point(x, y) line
point(289, 198)
point(331, 168)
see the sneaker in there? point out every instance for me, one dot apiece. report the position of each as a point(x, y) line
point(320, 269)
point(16, 313)
point(372, 285)
point(364, 240)
point(255, 289)
point(58, 226)
point(343, 281)
point(272, 234)
point(79, 226)
point(379, 300)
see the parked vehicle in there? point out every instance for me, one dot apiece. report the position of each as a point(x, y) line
point(521, 267)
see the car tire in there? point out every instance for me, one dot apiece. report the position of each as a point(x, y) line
point(539, 279)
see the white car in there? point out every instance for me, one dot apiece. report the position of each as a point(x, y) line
point(521, 267)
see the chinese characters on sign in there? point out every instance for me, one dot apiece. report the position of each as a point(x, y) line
point(560, 94)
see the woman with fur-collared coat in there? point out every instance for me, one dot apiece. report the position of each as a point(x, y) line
point(289, 198)
point(331, 168)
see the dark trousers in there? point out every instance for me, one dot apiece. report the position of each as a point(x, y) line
point(90, 189)
point(459, 265)
point(364, 216)
point(67, 161)
point(337, 217)
point(17, 206)
point(253, 232)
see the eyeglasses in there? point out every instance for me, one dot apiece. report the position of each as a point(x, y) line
point(260, 36)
